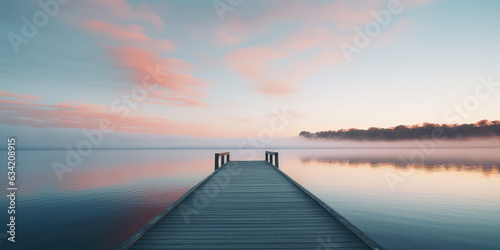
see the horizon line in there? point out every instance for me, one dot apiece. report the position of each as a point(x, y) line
point(198, 148)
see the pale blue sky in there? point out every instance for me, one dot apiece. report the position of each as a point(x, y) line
point(427, 59)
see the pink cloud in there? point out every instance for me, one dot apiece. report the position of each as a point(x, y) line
point(343, 15)
point(236, 119)
point(254, 62)
point(27, 97)
point(227, 38)
point(162, 97)
point(347, 15)
point(339, 15)
point(387, 36)
point(311, 47)
point(132, 34)
point(274, 88)
point(129, 48)
point(259, 65)
point(137, 61)
point(290, 114)
point(88, 116)
point(277, 72)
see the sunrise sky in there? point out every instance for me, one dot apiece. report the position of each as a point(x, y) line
point(226, 68)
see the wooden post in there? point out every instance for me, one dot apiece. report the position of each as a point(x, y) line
point(221, 159)
point(267, 157)
point(271, 157)
point(276, 161)
point(216, 161)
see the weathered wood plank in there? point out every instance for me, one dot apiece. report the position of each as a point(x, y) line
point(249, 205)
point(249, 232)
point(225, 229)
point(247, 240)
point(274, 235)
point(310, 245)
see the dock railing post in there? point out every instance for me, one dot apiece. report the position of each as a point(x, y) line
point(272, 158)
point(216, 161)
point(223, 159)
point(276, 161)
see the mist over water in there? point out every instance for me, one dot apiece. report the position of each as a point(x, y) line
point(61, 138)
point(449, 199)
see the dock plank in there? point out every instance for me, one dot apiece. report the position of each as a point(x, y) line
point(249, 205)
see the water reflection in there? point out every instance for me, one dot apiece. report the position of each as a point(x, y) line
point(485, 160)
point(449, 200)
point(103, 200)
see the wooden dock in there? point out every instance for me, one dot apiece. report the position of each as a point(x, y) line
point(249, 205)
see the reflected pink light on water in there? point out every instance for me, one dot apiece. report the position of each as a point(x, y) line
point(101, 177)
point(469, 181)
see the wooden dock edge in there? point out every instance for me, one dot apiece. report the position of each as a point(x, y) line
point(132, 239)
point(371, 243)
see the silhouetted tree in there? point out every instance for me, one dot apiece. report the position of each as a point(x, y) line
point(481, 128)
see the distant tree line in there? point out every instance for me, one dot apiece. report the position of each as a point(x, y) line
point(483, 128)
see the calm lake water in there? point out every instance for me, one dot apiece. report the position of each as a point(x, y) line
point(449, 200)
